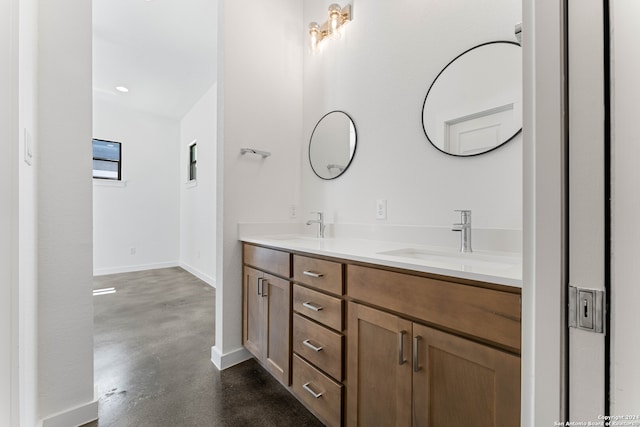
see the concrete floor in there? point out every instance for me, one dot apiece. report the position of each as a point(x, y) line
point(153, 368)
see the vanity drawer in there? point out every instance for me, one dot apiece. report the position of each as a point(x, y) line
point(320, 393)
point(318, 306)
point(319, 273)
point(271, 260)
point(480, 312)
point(319, 345)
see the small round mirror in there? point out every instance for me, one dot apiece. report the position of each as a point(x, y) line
point(332, 145)
point(474, 105)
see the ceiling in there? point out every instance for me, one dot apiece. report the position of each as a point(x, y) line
point(163, 51)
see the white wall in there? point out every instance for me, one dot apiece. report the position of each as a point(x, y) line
point(65, 305)
point(379, 73)
point(18, 348)
point(27, 295)
point(625, 292)
point(8, 185)
point(143, 214)
point(259, 106)
point(198, 202)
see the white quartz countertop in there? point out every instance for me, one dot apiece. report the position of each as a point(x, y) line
point(492, 267)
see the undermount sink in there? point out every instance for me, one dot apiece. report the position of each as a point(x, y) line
point(473, 259)
point(292, 238)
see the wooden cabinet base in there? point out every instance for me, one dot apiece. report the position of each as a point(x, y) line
point(457, 382)
point(318, 392)
point(419, 350)
point(266, 321)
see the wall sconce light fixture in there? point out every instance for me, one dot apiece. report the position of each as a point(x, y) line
point(338, 16)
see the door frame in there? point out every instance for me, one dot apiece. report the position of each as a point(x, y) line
point(544, 213)
point(588, 192)
point(545, 355)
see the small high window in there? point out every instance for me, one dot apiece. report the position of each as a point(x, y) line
point(193, 158)
point(107, 159)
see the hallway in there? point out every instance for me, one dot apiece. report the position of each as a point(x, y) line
point(153, 340)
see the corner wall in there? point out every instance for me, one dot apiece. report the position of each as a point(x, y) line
point(259, 106)
point(8, 217)
point(198, 200)
point(27, 294)
point(65, 304)
point(379, 73)
point(136, 226)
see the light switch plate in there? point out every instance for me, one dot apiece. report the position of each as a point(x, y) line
point(28, 147)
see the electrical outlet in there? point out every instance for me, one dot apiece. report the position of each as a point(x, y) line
point(132, 251)
point(381, 209)
point(293, 211)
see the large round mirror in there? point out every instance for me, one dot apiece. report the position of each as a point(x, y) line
point(332, 145)
point(474, 105)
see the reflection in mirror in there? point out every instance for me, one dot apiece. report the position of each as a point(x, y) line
point(474, 105)
point(332, 145)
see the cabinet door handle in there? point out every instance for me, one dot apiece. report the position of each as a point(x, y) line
point(401, 359)
point(260, 279)
point(312, 274)
point(311, 346)
point(262, 291)
point(312, 306)
point(310, 390)
point(416, 345)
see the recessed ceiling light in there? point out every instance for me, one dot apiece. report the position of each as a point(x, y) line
point(122, 89)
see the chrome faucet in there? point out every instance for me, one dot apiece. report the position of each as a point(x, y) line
point(320, 222)
point(464, 227)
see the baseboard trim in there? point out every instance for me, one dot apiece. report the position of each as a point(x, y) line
point(77, 416)
point(227, 360)
point(199, 274)
point(132, 268)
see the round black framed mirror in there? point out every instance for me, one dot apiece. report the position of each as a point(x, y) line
point(474, 105)
point(332, 145)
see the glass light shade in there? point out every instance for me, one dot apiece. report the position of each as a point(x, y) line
point(314, 36)
point(335, 19)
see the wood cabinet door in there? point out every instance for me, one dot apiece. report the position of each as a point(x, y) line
point(277, 299)
point(457, 382)
point(252, 311)
point(379, 369)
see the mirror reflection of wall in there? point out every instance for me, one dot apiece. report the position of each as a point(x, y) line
point(332, 145)
point(474, 105)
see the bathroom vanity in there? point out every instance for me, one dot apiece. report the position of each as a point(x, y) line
point(373, 333)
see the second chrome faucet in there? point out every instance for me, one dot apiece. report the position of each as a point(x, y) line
point(320, 222)
point(464, 227)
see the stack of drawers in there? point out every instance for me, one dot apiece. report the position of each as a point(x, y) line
point(318, 339)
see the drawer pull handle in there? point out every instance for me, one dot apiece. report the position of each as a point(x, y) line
point(312, 274)
point(310, 390)
point(312, 306)
point(261, 291)
point(311, 346)
point(401, 359)
point(416, 348)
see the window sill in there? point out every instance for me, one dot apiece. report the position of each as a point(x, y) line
point(191, 184)
point(109, 183)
